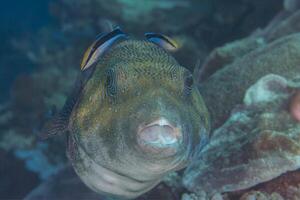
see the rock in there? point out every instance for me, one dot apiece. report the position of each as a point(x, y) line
point(258, 143)
point(225, 55)
point(285, 23)
point(189, 197)
point(293, 192)
point(201, 196)
point(217, 197)
point(286, 187)
point(194, 196)
point(267, 89)
point(255, 195)
point(291, 5)
point(286, 26)
point(226, 88)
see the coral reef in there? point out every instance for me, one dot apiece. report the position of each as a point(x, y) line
point(256, 128)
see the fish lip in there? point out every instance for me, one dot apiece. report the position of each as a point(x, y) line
point(155, 146)
point(159, 122)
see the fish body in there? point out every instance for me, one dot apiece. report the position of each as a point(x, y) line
point(135, 116)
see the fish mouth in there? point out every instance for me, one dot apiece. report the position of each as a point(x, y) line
point(159, 136)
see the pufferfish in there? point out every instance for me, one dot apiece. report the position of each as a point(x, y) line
point(134, 115)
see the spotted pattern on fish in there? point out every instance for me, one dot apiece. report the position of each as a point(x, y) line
point(134, 88)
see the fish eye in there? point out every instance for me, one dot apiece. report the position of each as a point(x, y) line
point(111, 86)
point(188, 83)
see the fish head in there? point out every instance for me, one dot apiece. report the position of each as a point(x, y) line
point(139, 116)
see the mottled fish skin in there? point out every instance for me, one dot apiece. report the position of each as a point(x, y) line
point(134, 83)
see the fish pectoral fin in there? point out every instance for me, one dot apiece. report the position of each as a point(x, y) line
point(53, 127)
point(58, 125)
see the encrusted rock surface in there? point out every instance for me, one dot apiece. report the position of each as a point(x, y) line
point(226, 54)
point(226, 88)
point(284, 24)
point(259, 142)
point(250, 86)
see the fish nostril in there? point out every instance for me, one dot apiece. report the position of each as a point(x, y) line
point(159, 137)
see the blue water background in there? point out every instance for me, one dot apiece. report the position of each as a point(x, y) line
point(17, 18)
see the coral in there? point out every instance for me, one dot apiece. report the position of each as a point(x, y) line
point(258, 143)
point(21, 119)
point(36, 161)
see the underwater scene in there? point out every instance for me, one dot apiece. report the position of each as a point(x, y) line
point(150, 100)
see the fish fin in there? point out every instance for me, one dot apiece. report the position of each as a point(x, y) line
point(58, 125)
point(98, 47)
point(162, 41)
point(71, 148)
